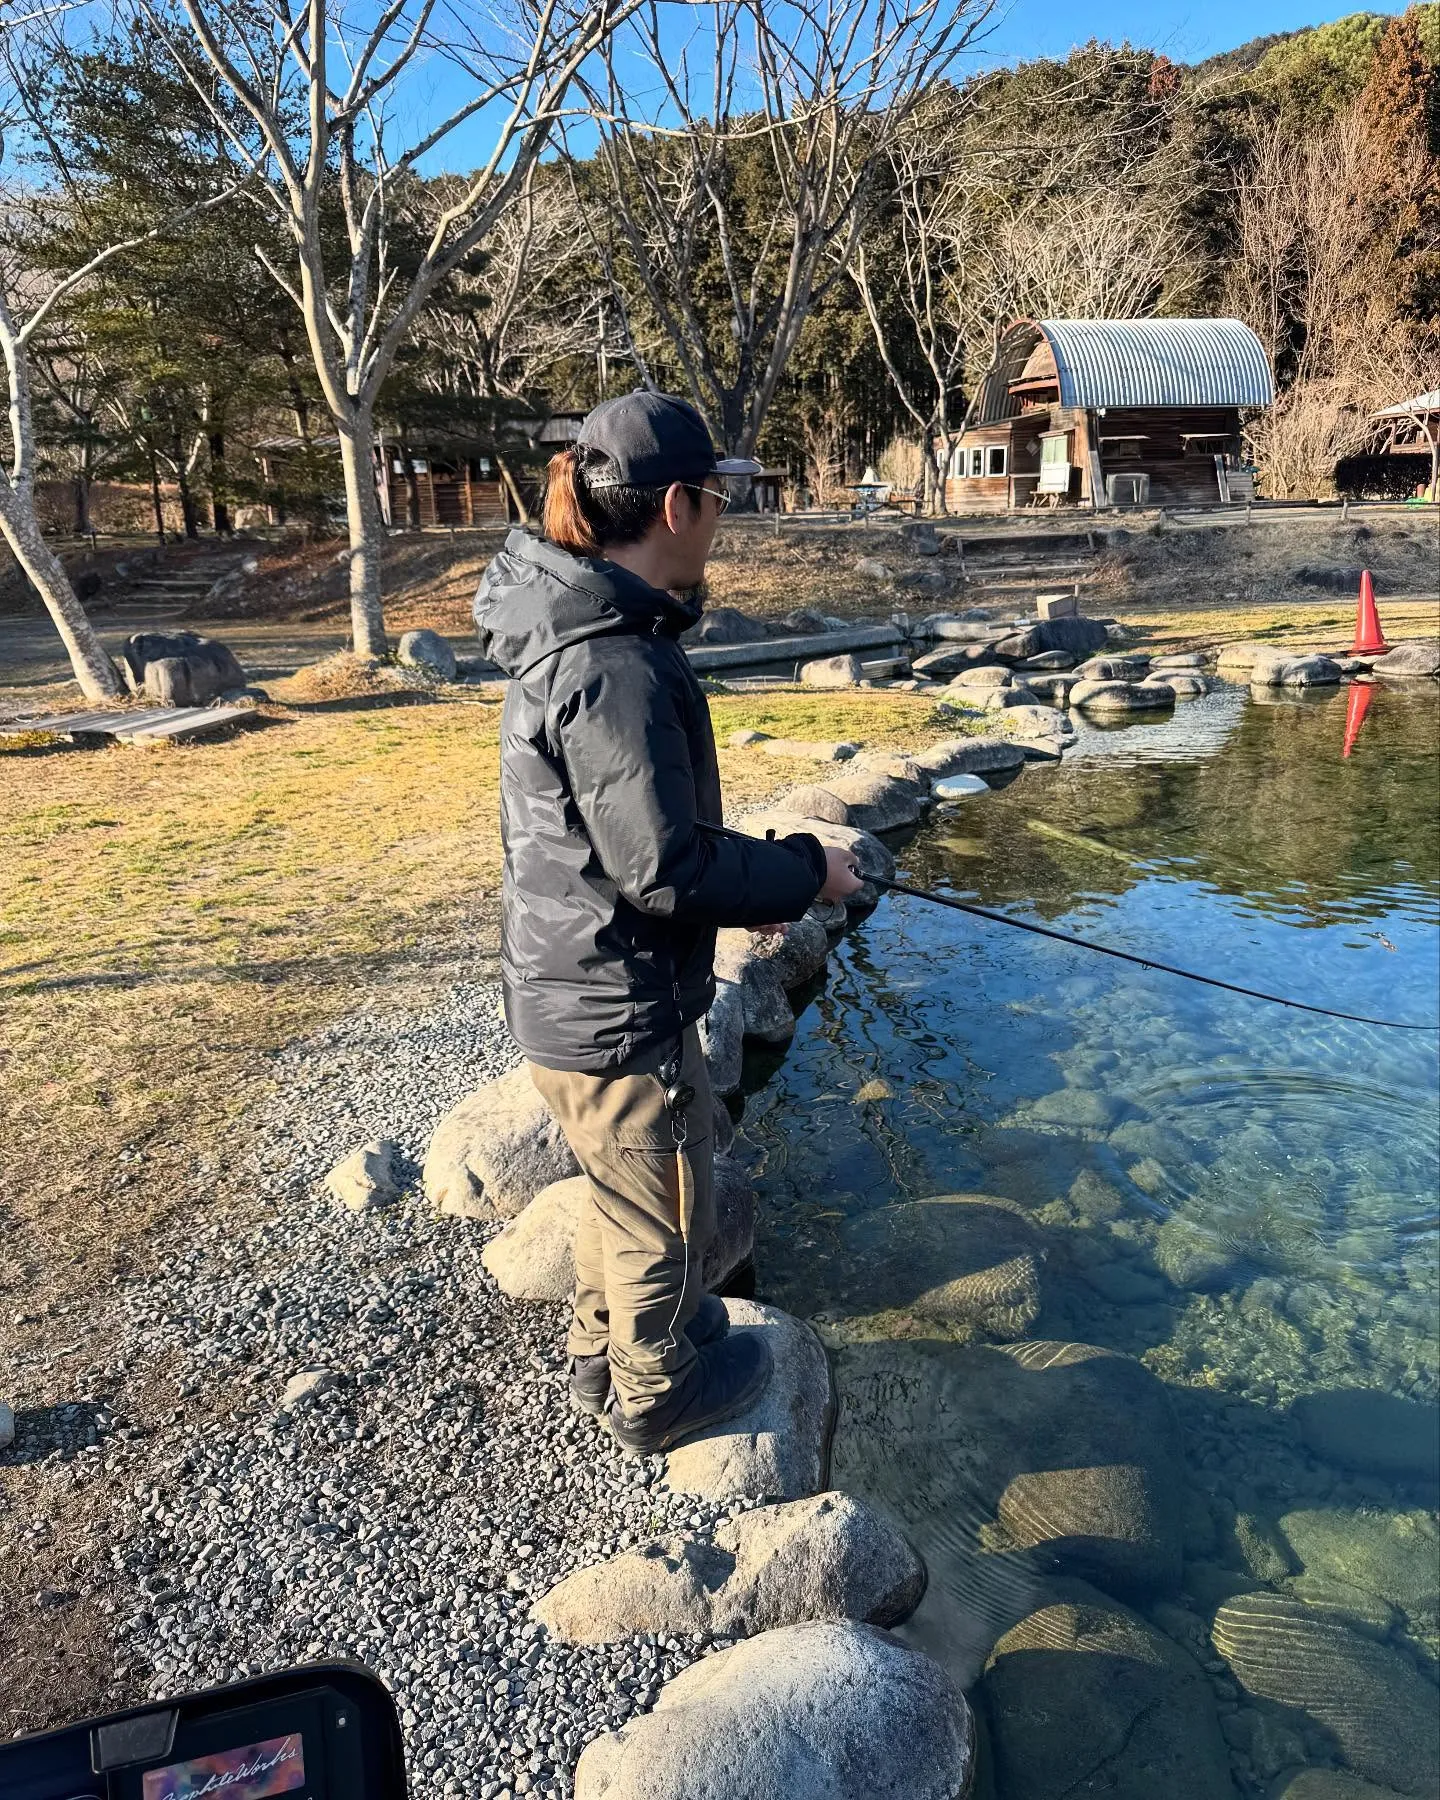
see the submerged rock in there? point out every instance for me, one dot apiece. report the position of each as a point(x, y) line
point(776, 1450)
point(829, 1557)
point(1194, 1258)
point(1083, 1697)
point(1393, 1555)
point(722, 1038)
point(1373, 1703)
point(490, 1155)
point(1080, 1108)
point(1326, 1784)
point(1372, 1432)
point(1035, 1457)
point(958, 1266)
point(813, 1712)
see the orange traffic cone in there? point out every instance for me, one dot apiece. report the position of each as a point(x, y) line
point(1361, 694)
point(1369, 638)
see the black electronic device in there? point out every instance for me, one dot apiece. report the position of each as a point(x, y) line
point(328, 1731)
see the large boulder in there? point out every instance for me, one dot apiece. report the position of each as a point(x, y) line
point(727, 625)
point(1414, 657)
point(776, 1449)
point(968, 656)
point(1083, 1697)
point(828, 1557)
point(865, 800)
point(722, 1038)
point(1371, 1701)
point(1121, 696)
point(1294, 671)
point(429, 651)
point(196, 669)
point(1076, 636)
point(796, 954)
point(491, 1155)
point(895, 767)
point(1033, 1457)
point(765, 1010)
point(533, 1258)
point(968, 756)
point(812, 1712)
point(958, 1266)
point(808, 750)
point(1236, 660)
point(1114, 668)
point(1027, 721)
point(1372, 1432)
point(832, 672)
point(872, 858)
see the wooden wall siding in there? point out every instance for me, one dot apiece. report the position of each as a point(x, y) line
point(1179, 476)
point(988, 493)
point(450, 497)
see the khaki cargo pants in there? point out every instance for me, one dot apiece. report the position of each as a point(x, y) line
point(637, 1285)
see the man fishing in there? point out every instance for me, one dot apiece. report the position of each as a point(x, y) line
point(616, 881)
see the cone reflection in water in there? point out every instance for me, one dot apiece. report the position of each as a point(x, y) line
point(1361, 694)
point(1369, 639)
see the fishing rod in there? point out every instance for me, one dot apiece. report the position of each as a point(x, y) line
point(1145, 962)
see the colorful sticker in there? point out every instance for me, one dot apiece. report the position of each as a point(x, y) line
point(252, 1773)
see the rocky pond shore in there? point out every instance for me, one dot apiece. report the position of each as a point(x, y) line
point(800, 1603)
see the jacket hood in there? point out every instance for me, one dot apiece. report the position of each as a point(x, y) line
point(536, 599)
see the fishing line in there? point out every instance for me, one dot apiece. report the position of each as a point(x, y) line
point(1144, 962)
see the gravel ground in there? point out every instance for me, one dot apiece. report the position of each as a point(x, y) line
point(409, 1511)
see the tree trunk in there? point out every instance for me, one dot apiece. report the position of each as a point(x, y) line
point(155, 500)
point(367, 536)
point(94, 670)
point(187, 498)
point(522, 511)
point(218, 506)
point(82, 504)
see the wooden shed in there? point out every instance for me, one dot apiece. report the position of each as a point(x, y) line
point(442, 481)
point(1111, 412)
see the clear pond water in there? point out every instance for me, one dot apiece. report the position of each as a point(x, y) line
point(1240, 1196)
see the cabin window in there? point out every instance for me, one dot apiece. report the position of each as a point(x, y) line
point(995, 459)
point(957, 462)
point(977, 461)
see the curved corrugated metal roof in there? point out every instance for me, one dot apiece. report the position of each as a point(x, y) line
point(1159, 362)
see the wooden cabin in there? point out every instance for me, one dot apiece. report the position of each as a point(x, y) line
point(447, 482)
point(1111, 412)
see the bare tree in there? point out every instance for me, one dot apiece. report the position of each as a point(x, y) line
point(28, 301)
point(920, 266)
point(1314, 277)
point(337, 119)
point(733, 224)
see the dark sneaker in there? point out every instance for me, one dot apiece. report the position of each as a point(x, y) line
point(724, 1380)
point(590, 1375)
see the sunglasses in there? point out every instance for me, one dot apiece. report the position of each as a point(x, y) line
point(719, 494)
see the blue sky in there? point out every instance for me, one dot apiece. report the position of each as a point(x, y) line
point(1184, 29)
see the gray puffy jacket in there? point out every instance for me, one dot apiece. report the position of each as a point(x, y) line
point(615, 880)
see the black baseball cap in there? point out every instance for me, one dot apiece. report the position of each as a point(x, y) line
point(652, 440)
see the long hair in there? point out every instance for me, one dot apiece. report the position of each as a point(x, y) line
point(586, 519)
